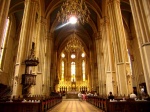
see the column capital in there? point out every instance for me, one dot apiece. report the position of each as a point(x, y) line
point(49, 36)
point(98, 35)
point(32, 1)
point(104, 21)
point(42, 20)
point(113, 1)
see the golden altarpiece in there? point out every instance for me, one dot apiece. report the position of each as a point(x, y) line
point(73, 67)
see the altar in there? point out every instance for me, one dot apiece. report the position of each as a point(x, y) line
point(72, 95)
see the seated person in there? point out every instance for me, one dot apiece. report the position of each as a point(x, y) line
point(110, 96)
point(132, 95)
point(80, 96)
point(95, 94)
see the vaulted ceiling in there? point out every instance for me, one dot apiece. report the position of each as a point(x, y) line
point(61, 35)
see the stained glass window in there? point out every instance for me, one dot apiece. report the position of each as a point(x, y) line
point(83, 70)
point(73, 71)
point(4, 40)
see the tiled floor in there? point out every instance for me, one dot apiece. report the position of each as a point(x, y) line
point(74, 106)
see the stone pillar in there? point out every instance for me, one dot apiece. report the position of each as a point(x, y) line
point(103, 55)
point(25, 42)
point(108, 57)
point(98, 38)
point(102, 63)
point(141, 16)
point(40, 48)
point(49, 75)
point(119, 43)
point(4, 8)
point(91, 65)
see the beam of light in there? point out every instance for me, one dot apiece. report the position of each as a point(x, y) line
point(62, 25)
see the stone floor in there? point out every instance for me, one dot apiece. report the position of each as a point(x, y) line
point(74, 105)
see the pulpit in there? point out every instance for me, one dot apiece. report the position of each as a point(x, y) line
point(29, 79)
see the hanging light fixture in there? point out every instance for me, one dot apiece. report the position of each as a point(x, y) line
point(73, 44)
point(73, 10)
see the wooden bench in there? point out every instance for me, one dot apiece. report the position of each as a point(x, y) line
point(30, 105)
point(20, 107)
point(126, 106)
point(119, 105)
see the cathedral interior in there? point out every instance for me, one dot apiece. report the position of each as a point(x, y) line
point(106, 50)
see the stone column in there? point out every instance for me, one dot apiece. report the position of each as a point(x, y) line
point(119, 43)
point(141, 16)
point(92, 86)
point(108, 57)
point(40, 53)
point(102, 60)
point(98, 39)
point(48, 77)
point(4, 8)
point(25, 42)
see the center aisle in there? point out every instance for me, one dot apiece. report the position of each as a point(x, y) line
point(74, 106)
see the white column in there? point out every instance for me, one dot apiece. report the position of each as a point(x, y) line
point(40, 53)
point(25, 42)
point(141, 16)
point(98, 41)
point(48, 77)
point(108, 57)
point(119, 43)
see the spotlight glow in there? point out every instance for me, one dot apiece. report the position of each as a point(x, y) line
point(73, 20)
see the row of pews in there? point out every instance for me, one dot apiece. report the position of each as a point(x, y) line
point(119, 105)
point(29, 104)
point(4, 90)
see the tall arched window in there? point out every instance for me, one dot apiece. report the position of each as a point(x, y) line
point(73, 72)
point(130, 59)
point(83, 70)
point(62, 70)
point(4, 40)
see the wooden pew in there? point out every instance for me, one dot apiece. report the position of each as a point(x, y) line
point(31, 104)
point(126, 106)
point(20, 107)
point(119, 105)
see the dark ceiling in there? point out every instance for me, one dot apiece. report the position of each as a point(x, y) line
point(85, 32)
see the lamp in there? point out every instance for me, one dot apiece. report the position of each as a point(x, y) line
point(74, 8)
point(73, 44)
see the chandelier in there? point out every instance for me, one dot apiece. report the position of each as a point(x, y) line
point(73, 44)
point(74, 8)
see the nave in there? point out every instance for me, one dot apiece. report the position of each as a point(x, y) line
point(42, 54)
point(74, 105)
